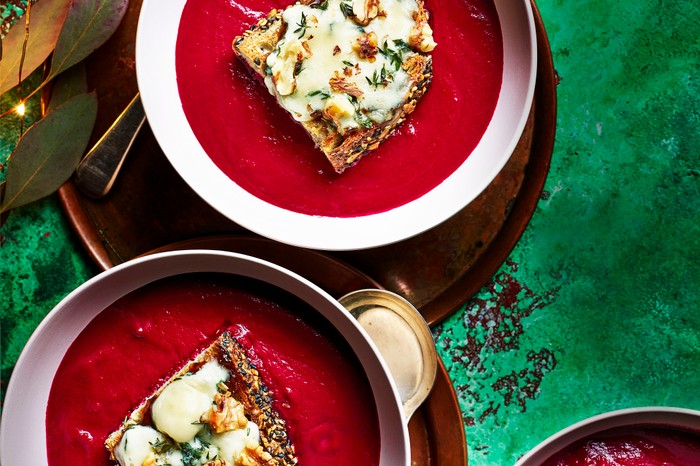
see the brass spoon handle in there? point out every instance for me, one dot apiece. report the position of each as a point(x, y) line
point(97, 171)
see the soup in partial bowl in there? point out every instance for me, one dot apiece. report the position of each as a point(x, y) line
point(197, 357)
point(643, 436)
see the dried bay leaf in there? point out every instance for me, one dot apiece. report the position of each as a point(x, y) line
point(49, 151)
point(88, 25)
point(46, 19)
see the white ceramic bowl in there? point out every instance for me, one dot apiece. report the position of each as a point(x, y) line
point(155, 66)
point(651, 415)
point(23, 419)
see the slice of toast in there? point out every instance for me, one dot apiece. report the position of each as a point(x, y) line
point(344, 147)
point(245, 386)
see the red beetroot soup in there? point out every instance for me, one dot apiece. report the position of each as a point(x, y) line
point(642, 445)
point(137, 343)
point(258, 145)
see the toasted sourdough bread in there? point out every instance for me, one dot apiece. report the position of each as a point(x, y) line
point(244, 384)
point(345, 148)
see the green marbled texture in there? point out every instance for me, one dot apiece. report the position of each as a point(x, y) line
point(608, 270)
point(10, 10)
point(597, 307)
point(40, 263)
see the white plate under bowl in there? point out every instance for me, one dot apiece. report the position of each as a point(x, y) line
point(648, 415)
point(155, 66)
point(23, 428)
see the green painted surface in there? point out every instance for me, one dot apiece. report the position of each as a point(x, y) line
point(40, 262)
point(597, 306)
point(607, 273)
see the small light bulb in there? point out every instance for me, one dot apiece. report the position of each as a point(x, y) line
point(20, 109)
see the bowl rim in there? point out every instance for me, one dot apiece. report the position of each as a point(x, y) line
point(655, 415)
point(73, 313)
point(155, 71)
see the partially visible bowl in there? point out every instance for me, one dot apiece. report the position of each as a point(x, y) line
point(24, 415)
point(609, 430)
point(436, 201)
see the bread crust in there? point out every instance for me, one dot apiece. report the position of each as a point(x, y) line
point(246, 386)
point(342, 151)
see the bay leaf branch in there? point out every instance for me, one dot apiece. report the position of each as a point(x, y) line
point(49, 151)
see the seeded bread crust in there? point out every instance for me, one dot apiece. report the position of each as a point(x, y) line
point(343, 151)
point(246, 386)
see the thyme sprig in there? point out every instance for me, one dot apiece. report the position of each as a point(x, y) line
point(302, 25)
point(161, 446)
point(318, 92)
point(394, 55)
point(381, 78)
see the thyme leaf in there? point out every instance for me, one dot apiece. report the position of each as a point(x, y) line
point(161, 446)
point(346, 9)
point(322, 5)
point(395, 56)
point(318, 92)
point(380, 78)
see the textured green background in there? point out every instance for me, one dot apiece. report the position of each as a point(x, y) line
point(597, 307)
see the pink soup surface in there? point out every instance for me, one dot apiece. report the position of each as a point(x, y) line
point(258, 145)
point(643, 445)
point(133, 346)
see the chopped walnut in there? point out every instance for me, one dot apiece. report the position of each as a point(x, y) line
point(215, 463)
point(336, 108)
point(413, 64)
point(245, 460)
point(283, 71)
point(330, 114)
point(226, 414)
point(365, 11)
point(339, 84)
point(307, 48)
point(367, 46)
point(336, 50)
point(254, 456)
point(421, 35)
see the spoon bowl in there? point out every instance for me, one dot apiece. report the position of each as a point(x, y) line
point(403, 339)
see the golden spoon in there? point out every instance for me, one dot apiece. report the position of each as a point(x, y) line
point(402, 337)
